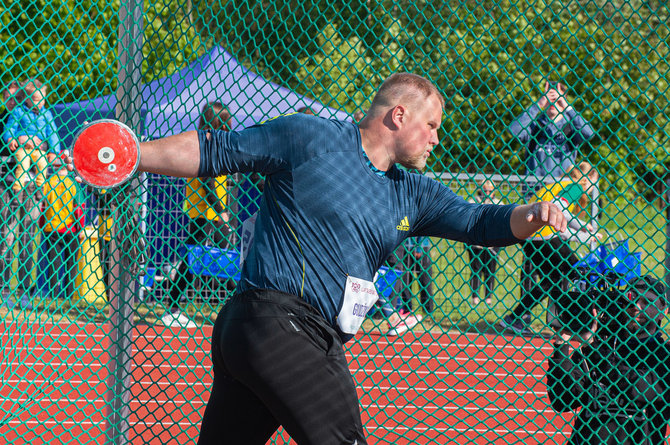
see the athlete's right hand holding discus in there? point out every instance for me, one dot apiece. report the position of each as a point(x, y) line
point(529, 218)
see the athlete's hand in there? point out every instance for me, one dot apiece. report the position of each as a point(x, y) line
point(529, 218)
point(69, 164)
point(67, 158)
point(546, 214)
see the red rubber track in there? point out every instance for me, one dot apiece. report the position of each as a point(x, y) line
point(417, 388)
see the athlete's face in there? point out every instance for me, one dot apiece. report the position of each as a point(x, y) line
point(417, 133)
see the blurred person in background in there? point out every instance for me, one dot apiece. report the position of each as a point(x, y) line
point(552, 132)
point(32, 137)
point(483, 260)
point(205, 204)
point(418, 265)
point(549, 251)
point(12, 94)
point(62, 222)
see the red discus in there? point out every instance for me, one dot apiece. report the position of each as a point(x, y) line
point(105, 153)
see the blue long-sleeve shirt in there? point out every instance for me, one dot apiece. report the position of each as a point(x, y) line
point(552, 145)
point(23, 121)
point(325, 215)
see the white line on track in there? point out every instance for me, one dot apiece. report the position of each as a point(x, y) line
point(86, 365)
point(372, 429)
point(367, 372)
point(197, 404)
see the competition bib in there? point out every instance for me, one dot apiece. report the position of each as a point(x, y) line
point(359, 296)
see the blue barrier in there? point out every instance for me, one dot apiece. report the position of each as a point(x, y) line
point(212, 261)
point(225, 263)
point(386, 280)
point(613, 258)
point(149, 277)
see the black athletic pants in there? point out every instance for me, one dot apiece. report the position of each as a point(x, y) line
point(277, 362)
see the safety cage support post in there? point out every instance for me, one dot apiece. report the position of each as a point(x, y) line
point(121, 334)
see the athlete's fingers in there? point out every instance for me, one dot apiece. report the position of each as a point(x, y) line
point(535, 213)
point(65, 157)
point(546, 213)
point(69, 165)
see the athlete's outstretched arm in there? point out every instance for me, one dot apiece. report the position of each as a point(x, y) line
point(177, 155)
point(527, 219)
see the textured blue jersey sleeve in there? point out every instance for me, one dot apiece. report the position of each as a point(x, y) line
point(271, 147)
point(444, 214)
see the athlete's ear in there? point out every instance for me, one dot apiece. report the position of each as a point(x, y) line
point(398, 114)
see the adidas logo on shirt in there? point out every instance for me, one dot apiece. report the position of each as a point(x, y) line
point(404, 225)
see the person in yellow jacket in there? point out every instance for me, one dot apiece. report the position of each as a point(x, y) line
point(62, 220)
point(205, 202)
point(548, 250)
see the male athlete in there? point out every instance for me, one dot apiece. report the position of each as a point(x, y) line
point(334, 207)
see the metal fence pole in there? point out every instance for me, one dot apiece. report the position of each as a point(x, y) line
point(666, 202)
point(128, 110)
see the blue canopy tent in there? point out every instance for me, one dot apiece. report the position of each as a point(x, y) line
point(171, 105)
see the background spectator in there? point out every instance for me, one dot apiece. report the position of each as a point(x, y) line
point(552, 132)
point(11, 95)
point(62, 222)
point(30, 133)
point(418, 265)
point(483, 260)
point(205, 205)
point(548, 250)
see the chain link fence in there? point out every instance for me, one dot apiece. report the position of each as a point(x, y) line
point(108, 296)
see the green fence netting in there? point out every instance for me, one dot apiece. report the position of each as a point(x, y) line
point(109, 296)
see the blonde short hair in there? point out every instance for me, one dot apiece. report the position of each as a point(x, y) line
point(488, 184)
point(32, 85)
point(584, 173)
point(401, 87)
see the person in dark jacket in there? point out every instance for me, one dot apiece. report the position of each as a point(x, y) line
point(620, 375)
point(553, 132)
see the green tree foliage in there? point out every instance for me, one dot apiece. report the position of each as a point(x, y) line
point(73, 44)
point(489, 58)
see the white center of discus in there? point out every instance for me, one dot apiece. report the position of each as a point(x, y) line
point(106, 155)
